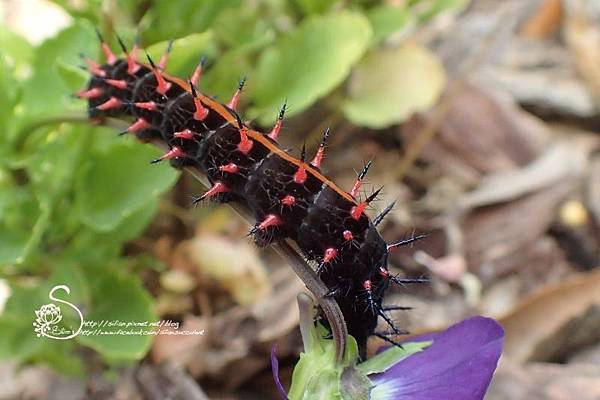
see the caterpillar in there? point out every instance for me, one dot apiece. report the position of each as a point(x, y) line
point(290, 197)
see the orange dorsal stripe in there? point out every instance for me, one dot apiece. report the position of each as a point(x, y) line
point(258, 136)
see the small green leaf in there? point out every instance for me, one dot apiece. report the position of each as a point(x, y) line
point(12, 246)
point(19, 341)
point(428, 9)
point(90, 246)
point(54, 156)
point(221, 79)
point(235, 27)
point(63, 357)
point(16, 49)
point(132, 226)
point(74, 77)
point(22, 218)
point(44, 93)
point(165, 21)
point(118, 297)
point(185, 53)
point(315, 6)
point(70, 273)
point(119, 182)
point(391, 84)
point(317, 375)
point(9, 91)
point(387, 19)
point(38, 230)
point(308, 63)
point(91, 10)
point(384, 360)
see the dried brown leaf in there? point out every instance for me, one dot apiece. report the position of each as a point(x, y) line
point(593, 192)
point(564, 160)
point(539, 318)
point(235, 267)
point(482, 133)
point(537, 381)
point(494, 232)
point(583, 39)
point(545, 21)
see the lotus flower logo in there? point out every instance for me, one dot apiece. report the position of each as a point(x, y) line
point(49, 315)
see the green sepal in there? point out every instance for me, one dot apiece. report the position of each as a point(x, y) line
point(384, 360)
point(318, 375)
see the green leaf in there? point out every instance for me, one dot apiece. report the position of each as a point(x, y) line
point(9, 91)
point(38, 230)
point(50, 159)
point(63, 357)
point(101, 293)
point(428, 9)
point(317, 374)
point(132, 226)
point(19, 341)
point(387, 19)
point(12, 246)
point(90, 246)
point(45, 94)
point(221, 80)
point(384, 360)
point(54, 158)
point(119, 182)
point(17, 50)
point(129, 228)
point(74, 77)
point(391, 84)
point(118, 296)
point(91, 9)
point(308, 63)
point(185, 53)
point(71, 274)
point(22, 219)
point(235, 27)
point(166, 21)
point(315, 6)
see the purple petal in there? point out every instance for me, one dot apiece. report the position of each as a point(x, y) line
point(458, 365)
point(275, 370)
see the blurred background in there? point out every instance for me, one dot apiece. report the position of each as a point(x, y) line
point(483, 118)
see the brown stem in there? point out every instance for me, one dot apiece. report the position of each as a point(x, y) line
point(320, 291)
point(283, 248)
point(304, 271)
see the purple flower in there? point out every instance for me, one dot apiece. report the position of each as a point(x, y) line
point(458, 365)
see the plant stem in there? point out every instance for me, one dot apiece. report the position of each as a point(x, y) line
point(23, 134)
point(304, 271)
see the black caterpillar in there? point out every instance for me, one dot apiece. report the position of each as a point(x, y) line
point(289, 197)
